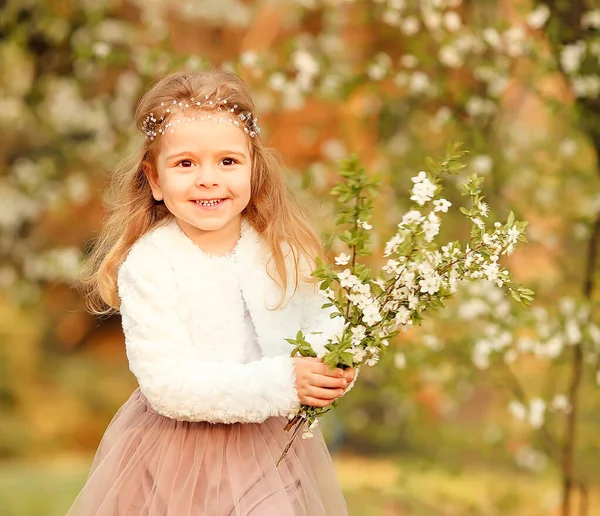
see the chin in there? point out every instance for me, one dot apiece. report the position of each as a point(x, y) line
point(209, 223)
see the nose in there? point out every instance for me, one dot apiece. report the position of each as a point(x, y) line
point(207, 177)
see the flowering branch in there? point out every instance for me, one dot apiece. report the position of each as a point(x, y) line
point(418, 276)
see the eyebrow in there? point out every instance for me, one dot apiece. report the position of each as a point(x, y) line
point(228, 152)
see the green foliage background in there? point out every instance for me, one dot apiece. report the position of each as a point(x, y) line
point(330, 78)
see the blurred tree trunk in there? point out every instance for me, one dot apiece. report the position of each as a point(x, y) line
point(568, 29)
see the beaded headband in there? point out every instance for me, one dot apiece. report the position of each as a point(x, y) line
point(219, 112)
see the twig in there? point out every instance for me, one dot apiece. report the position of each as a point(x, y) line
point(289, 444)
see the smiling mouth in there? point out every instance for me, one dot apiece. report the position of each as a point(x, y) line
point(208, 202)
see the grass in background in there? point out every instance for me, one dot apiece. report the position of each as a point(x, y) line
point(373, 487)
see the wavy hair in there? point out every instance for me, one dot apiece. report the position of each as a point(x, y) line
point(273, 210)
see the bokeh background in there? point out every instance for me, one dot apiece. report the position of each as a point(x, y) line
point(488, 408)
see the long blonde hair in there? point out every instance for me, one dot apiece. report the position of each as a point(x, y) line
point(273, 210)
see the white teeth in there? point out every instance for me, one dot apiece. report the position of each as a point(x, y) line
point(212, 202)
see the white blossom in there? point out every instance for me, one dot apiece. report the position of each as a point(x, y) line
point(591, 19)
point(518, 410)
point(552, 348)
point(432, 18)
point(492, 37)
point(571, 56)
point(431, 284)
point(423, 192)
point(441, 205)
point(513, 234)
point(528, 458)
point(371, 315)
point(346, 278)
point(391, 17)
point(450, 56)
point(358, 354)
point(510, 357)
point(372, 360)
point(491, 271)
point(482, 164)
point(277, 81)
point(392, 245)
point(586, 86)
point(410, 26)
point(537, 408)
point(379, 68)
point(101, 49)
point(342, 259)
point(560, 403)
point(358, 334)
point(419, 82)
point(442, 115)
point(308, 69)
point(537, 19)
point(567, 147)
point(572, 332)
point(594, 334)
point(515, 40)
point(411, 217)
point(391, 267)
point(307, 434)
point(478, 222)
point(452, 21)
point(402, 317)
point(420, 177)
point(472, 309)
point(431, 227)
point(408, 61)
point(483, 209)
point(399, 360)
point(249, 58)
point(432, 342)
point(477, 106)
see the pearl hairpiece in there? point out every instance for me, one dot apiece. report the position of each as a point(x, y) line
point(219, 112)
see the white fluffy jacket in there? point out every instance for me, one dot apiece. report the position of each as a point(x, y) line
point(182, 312)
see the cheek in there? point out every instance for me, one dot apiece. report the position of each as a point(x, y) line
point(174, 184)
point(242, 185)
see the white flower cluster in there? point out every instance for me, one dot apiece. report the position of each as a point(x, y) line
point(534, 413)
point(424, 189)
point(360, 295)
point(548, 337)
point(411, 280)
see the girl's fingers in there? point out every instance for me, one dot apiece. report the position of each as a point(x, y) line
point(319, 380)
point(325, 370)
point(349, 374)
point(314, 402)
point(323, 394)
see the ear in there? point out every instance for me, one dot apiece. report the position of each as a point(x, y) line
point(152, 177)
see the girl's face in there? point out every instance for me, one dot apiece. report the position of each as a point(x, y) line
point(203, 174)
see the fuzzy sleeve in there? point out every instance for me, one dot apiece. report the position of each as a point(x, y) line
point(177, 382)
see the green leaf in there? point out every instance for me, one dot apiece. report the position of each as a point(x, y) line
point(511, 219)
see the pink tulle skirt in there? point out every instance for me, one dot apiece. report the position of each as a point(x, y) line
point(150, 465)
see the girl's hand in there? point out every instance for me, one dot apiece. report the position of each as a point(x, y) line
point(317, 384)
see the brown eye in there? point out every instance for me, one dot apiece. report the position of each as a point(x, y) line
point(186, 163)
point(229, 161)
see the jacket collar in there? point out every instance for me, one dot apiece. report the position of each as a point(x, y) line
point(249, 238)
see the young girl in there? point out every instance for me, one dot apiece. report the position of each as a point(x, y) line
point(206, 255)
